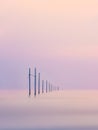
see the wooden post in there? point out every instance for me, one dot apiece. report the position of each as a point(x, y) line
point(46, 87)
point(35, 82)
point(29, 82)
point(38, 83)
point(58, 88)
point(42, 86)
point(49, 87)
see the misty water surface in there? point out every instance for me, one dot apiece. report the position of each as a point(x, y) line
point(63, 110)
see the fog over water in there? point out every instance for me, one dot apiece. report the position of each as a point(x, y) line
point(62, 110)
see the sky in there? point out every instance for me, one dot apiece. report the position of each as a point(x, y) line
point(59, 37)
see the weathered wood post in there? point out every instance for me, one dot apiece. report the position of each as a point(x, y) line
point(42, 86)
point(29, 82)
point(38, 83)
point(46, 86)
point(58, 88)
point(49, 87)
point(35, 82)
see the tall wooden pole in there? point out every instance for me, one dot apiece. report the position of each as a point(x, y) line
point(38, 83)
point(29, 82)
point(35, 82)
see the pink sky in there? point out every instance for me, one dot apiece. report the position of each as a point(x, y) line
point(57, 36)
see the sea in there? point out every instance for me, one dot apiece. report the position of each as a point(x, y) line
point(57, 110)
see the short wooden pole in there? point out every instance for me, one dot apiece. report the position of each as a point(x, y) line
point(38, 83)
point(35, 82)
point(46, 87)
point(29, 82)
point(42, 86)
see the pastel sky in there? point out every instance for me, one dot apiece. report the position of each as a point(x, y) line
point(59, 37)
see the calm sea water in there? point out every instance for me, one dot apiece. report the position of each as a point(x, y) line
point(65, 128)
point(63, 110)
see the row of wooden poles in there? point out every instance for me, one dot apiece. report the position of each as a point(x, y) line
point(40, 86)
